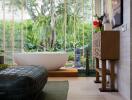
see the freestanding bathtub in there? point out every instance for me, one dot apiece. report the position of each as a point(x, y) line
point(50, 60)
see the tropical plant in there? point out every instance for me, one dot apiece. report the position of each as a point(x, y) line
point(71, 56)
point(48, 17)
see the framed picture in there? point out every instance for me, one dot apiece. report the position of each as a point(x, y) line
point(117, 13)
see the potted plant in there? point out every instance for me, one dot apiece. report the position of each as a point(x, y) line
point(1, 56)
point(97, 23)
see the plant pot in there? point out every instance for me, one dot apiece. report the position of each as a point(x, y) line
point(1, 59)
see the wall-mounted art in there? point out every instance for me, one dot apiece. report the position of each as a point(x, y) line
point(117, 13)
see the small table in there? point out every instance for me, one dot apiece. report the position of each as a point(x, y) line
point(106, 47)
point(103, 72)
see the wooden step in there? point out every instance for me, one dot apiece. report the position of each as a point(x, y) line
point(64, 72)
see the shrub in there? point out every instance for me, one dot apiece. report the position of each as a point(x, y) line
point(3, 66)
point(70, 56)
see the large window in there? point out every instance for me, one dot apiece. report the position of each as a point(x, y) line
point(46, 25)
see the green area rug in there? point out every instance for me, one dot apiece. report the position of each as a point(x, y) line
point(55, 90)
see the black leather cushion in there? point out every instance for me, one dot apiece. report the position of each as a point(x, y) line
point(22, 82)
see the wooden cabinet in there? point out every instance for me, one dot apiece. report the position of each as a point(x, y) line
point(106, 47)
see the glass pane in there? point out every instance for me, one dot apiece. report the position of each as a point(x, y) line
point(48, 25)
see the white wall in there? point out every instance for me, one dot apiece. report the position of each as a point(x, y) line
point(123, 65)
point(125, 62)
point(131, 49)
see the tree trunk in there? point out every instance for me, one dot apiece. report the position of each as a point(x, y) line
point(53, 21)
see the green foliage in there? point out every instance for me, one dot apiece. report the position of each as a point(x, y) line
point(71, 56)
point(1, 51)
point(3, 66)
point(39, 32)
point(8, 31)
point(36, 33)
point(31, 37)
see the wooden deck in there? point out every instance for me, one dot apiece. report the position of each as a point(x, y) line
point(64, 72)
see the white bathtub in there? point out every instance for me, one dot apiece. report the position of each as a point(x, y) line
point(50, 60)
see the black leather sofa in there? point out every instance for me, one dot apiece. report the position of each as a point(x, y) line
point(22, 83)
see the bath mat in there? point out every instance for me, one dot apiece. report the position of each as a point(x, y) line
point(55, 90)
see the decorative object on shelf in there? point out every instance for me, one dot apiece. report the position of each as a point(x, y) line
point(77, 58)
point(106, 23)
point(97, 23)
point(114, 11)
point(117, 13)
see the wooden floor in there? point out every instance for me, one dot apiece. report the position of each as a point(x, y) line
point(64, 72)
